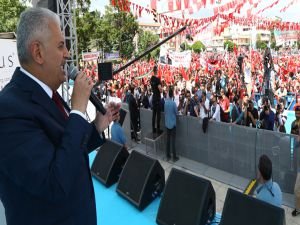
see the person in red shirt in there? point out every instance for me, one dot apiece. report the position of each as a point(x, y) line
point(225, 104)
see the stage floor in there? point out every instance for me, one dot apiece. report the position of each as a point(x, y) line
point(112, 209)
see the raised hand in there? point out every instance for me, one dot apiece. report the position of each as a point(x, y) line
point(81, 92)
point(112, 112)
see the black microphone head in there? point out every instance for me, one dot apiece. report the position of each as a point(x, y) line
point(72, 72)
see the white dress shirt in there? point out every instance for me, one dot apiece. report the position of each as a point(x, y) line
point(48, 90)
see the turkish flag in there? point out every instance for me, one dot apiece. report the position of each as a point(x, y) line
point(171, 5)
point(153, 4)
point(178, 4)
point(186, 4)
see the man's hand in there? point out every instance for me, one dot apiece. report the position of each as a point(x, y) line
point(81, 92)
point(102, 121)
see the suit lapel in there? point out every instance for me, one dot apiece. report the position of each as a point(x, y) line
point(38, 95)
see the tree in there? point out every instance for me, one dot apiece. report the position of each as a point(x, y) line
point(146, 40)
point(230, 45)
point(86, 23)
point(273, 41)
point(119, 29)
point(114, 30)
point(261, 44)
point(10, 13)
point(185, 46)
point(198, 46)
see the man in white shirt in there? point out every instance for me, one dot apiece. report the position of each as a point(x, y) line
point(204, 106)
point(215, 110)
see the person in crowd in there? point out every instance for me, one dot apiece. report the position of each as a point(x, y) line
point(194, 107)
point(117, 131)
point(156, 101)
point(236, 110)
point(191, 107)
point(44, 169)
point(252, 115)
point(225, 104)
point(242, 118)
point(188, 105)
point(134, 112)
point(281, 92)
point(204, 110)
point(181, 105)
point(204, 106)
point(295, 129)
point(144, 99)
point(280, 118)
point(215, 110)
point(170, 123)
point(247, 75)
point(267, 116)
point(267, 190)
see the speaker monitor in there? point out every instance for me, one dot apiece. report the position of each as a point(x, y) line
point(142, 180)
point(105, 71)
point(109, 162)
point(187, 200)
point(243, 209)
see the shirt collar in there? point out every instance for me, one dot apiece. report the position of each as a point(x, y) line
point(45, 87)
point(269, 183)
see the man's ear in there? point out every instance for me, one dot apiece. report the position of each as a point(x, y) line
point(36, 50)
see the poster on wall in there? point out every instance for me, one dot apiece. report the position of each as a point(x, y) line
point(8, 60)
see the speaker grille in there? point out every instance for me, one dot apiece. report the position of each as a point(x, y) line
point(243, 209)
point(187, 200)
point(105, 162)
point(136, 172)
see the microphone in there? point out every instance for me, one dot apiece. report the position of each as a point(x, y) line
point(72, 74)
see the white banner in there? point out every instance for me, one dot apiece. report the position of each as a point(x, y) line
point(8, 60)
point(181, 58)
point(90, 56)
point(285, 37)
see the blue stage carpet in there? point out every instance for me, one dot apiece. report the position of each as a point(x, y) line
point(112, 209)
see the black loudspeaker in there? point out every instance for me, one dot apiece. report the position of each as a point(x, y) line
point(187, 200)
point(243, 209)
point(109, 162)
point(142, 180)
point(105, 71)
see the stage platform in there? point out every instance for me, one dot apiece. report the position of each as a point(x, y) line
point(112, 209)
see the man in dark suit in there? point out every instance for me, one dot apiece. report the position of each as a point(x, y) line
point(156, 101)
point(44, 165)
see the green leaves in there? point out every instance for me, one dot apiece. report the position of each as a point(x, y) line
point(10, 11)
point(146, 40)
point(230, 45)
point(112, 31)
point(198, 46)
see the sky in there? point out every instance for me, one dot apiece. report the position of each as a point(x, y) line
point(292, 13)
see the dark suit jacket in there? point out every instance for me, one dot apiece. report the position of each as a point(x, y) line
point(44, 166)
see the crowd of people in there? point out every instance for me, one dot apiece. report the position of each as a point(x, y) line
point(45, 173)
point(225, 90)
point(224, 87)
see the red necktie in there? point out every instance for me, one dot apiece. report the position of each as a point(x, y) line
point(58, 102)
